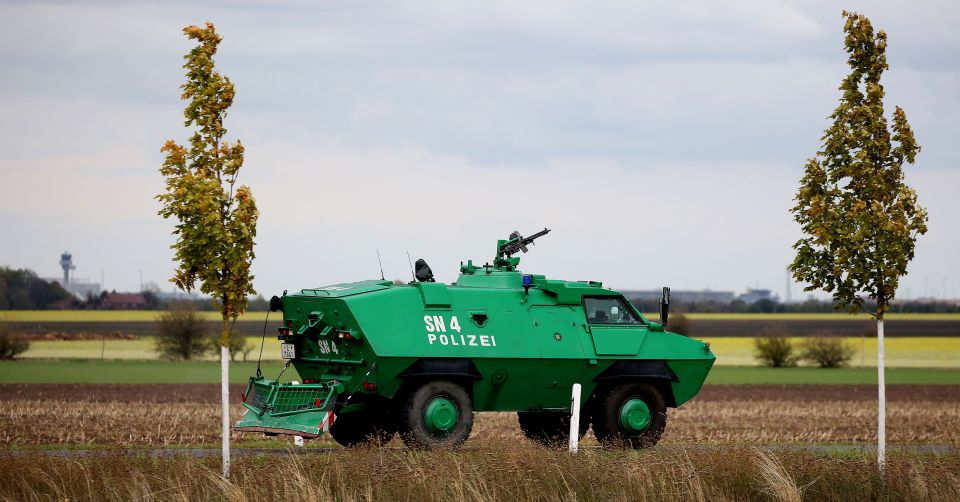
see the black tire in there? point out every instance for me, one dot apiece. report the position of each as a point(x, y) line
point(412, 422)
point(606, 417)
point(549, 428)
point(361, 427)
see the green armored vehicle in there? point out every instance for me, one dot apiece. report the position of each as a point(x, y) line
point(376, 359)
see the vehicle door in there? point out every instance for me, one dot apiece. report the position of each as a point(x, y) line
point(561, 355)
point(615, 327)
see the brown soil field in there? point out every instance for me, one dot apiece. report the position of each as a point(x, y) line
point(145, 415)
point(35, 336)
point(179, 393)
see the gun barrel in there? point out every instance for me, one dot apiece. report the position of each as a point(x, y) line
point(518, 243)
point(529, 240)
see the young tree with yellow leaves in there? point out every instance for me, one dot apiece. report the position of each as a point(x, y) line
point(216, 219)
point(860, 219)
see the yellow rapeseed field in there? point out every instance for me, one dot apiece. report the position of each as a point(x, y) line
point(912, 352)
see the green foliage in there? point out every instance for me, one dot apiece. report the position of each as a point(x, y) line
point(12, 344)
point(23, 290)
point(827, 351)
point(216, 220)
point(181, 333)
point(860, 219)
point(773, 348)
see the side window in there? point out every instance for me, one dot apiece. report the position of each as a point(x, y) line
point(609, 310)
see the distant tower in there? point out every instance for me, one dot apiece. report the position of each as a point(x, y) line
point(66, 262)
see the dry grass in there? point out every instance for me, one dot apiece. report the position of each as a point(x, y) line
point(498, 471)
point(27, 422)
point(702, 455)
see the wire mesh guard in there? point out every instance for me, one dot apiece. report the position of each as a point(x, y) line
point(266, 396)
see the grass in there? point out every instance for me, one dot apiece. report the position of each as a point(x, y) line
point(912, 352)
point(95, 371)
point(140, 348)
point(739, 375)
point(499, 471)
point(80, 371)
point(150, 316)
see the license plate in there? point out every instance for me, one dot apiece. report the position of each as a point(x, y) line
point(287, 351)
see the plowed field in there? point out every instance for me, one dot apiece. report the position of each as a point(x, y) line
point(144, 415)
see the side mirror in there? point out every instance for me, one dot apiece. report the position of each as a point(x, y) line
point(665, 306)
point(275, 303)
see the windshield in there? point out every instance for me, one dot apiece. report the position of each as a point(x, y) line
point(609, 310)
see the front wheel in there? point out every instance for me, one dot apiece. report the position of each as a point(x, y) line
point(630, 414)
point(436, 414)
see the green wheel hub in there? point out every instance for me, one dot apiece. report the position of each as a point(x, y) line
point(440, 415)
point(635, 415)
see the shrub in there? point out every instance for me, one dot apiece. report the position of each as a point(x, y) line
point(827, 351)
point(678, 323)
point(773, 348)
point(239, 345)
point(11, 343)
point(181, 333)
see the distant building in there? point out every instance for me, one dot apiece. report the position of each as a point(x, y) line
point(177, 295)
point(703, 296)
point(676, 295)
point(755, 295)
point(124, 301)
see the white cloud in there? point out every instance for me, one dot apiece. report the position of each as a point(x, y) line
point(662, 141)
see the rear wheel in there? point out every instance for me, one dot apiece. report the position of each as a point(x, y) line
point(436, 414)
point(549, 428)
point(630, 414)
point(359, 427)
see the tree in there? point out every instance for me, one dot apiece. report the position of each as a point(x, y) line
point(239, 346)
point(859, 217)
point(23, 290)
point(216, 220)
point(181, 333)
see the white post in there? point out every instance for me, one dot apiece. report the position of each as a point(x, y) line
point(575, 419)
point(225, 408)
point(297, 440)
point(882, 399)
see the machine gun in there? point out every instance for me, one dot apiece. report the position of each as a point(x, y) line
point(513, 245)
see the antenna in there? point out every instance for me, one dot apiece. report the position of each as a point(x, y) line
point(381, 265)
point(411, 267)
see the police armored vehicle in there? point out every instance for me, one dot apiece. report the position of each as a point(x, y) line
point(376, 359)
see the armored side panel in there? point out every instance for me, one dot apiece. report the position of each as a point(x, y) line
point(513, 348)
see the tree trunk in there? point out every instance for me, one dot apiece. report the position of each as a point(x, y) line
point(225, 395)
point(882, 399)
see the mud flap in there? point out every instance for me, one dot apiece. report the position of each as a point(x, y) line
point(285, 408)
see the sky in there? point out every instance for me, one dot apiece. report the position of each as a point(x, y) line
point(661, 142)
